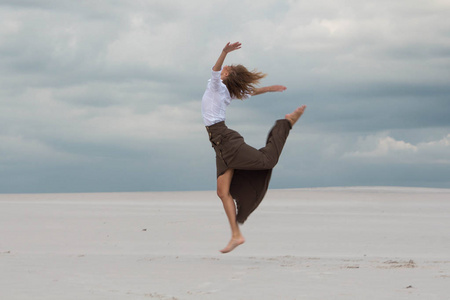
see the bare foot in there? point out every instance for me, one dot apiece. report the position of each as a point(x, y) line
point(295, 115)
point(234, 242)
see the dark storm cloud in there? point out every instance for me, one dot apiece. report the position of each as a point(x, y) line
point(105, 96)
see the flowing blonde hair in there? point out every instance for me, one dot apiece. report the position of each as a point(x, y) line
point(241, 81)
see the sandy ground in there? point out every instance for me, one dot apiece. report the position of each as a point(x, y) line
point(332, 243)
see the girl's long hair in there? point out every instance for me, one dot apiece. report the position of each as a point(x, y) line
point(241, 81)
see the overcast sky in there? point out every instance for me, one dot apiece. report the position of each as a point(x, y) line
point(104, 96)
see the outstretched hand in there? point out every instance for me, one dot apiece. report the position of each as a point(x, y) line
point(266, 89)
point(227, 49)
point(231, 47)
point(278, 88)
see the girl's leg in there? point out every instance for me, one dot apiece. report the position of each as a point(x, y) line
point(223, 191)
point(249, 158)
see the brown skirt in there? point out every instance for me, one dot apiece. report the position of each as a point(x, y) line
point(252, 167)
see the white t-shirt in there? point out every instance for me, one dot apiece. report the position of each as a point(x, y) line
point(215, 100)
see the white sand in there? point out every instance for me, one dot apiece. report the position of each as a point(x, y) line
point(335, 243)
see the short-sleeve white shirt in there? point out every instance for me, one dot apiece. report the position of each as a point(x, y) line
point(215, 100)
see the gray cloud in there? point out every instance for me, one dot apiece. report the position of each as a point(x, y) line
point(106, 96)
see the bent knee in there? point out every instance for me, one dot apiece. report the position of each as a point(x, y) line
point(223, 193)
point(270, 163)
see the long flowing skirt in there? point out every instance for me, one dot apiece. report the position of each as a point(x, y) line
point(252, 167)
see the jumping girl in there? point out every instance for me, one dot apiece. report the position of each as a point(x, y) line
point(243, 172)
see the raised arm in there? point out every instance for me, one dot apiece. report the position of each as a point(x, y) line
point(272, 88)
point(227, 49)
